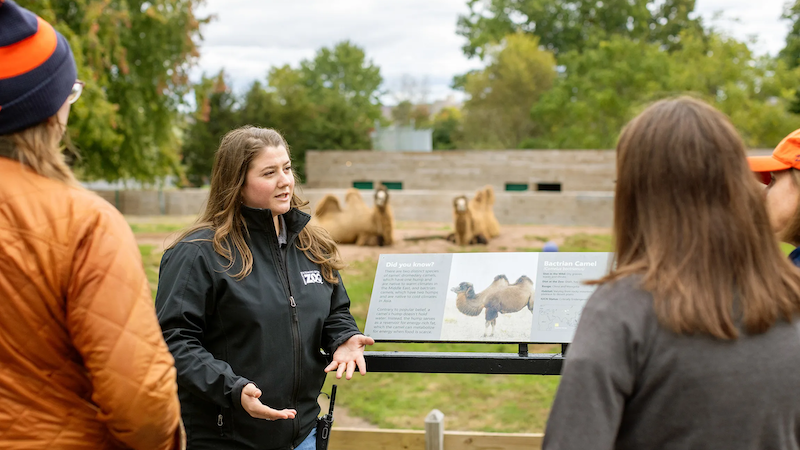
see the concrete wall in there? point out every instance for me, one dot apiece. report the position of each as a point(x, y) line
point(184, 202)
point(575, 170)
point(546, 208)
point(551, 208)
point(432, 180)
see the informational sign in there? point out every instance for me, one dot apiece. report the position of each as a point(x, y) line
point(482, 297)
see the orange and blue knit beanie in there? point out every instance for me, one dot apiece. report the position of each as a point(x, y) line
point(37, 70)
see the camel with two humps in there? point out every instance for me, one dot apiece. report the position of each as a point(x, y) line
point(474, 221)
point(357, 223)
point(500, 297)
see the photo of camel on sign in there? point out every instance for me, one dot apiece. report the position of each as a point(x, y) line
point(491, 297)
point(481, 297)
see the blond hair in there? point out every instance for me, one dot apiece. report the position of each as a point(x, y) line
point(38, 147)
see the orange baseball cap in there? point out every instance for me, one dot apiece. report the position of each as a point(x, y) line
point(785, 156)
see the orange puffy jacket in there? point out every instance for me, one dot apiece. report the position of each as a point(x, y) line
point(82, 361)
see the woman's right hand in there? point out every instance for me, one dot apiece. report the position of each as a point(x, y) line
point(254, 407)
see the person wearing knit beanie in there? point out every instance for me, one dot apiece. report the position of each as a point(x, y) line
point(84, 364)
point(37, 70)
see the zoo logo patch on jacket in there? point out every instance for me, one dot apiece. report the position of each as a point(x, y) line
point(311, 276)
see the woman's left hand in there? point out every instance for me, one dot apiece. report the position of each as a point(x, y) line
point(350, 354)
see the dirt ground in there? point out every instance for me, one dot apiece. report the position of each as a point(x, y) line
point(426, 237)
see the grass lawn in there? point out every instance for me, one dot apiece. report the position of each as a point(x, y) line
point(151, 260)
point(494, 403)
point(498, 403)
point(159, 224)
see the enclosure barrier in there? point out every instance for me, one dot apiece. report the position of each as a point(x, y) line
point(433, 438)
point(561, 209)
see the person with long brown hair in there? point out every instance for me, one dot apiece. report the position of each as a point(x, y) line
point(246, 299)
point(82, 361)
point(692, 340)
point(781, 173)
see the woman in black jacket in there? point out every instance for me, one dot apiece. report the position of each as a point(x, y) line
point(246, 299)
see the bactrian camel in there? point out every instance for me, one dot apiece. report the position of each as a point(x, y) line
point(463, 224)
point(357, 223)
point(499, 298)
point(482, 208)
point(474, 221)
point(492, 225)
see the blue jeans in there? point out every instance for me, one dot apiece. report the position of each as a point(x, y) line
point(310, 443)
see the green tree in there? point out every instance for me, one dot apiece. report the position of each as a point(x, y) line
point(447, 129)
point(564, 25)
point(406, 113)
point(343, 85)
point(791, 53)
point(330, 102)
point(601, 89)
point(134, 56)
point(597, 92)
point(421, 115)
point(497, 113)
point(344, 70)
point(214, 117)
point(401, 114)
point(259, 107)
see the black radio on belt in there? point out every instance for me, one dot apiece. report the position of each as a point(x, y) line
point(325, 423)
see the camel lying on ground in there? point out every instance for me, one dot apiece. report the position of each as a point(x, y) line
point(357, 223)
point(499, 298)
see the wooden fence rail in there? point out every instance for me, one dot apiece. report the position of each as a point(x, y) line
point(380, 439)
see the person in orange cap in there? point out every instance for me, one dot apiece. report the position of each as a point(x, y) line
point(781, 173)
point(82, 361)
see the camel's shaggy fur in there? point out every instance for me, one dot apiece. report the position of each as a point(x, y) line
point(462, 222)
point(475, 223)
point(499, 298)
point(477, 206)
point(357, 223)
point(492, 225)
point(473, 220)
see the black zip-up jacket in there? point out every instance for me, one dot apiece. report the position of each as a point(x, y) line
point(267, 328)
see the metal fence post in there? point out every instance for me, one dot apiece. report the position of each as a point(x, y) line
point(434, 430)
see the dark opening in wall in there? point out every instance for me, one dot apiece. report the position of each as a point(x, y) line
point(516, 187)
point(363, 184)
point(393, 185)
point(553, 187)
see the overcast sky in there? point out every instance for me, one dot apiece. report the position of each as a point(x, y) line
point(403, 37)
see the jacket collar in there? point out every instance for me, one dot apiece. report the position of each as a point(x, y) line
point(260, 220)
point(795, 256)
point(7, 148)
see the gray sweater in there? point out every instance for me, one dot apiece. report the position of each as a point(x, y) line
point(629, 383)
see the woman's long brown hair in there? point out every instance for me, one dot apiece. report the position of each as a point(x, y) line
point(689, 217)
point(223, 214)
